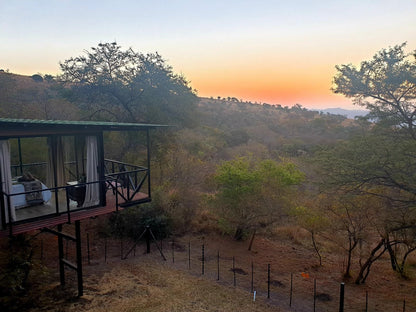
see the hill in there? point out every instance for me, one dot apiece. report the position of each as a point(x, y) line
point(349, 113)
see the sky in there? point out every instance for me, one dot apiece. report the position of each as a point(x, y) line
point(276, 52)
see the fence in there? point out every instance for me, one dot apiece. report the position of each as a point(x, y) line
point(298, 291)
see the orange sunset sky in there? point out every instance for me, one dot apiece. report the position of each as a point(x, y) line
point(277, 52)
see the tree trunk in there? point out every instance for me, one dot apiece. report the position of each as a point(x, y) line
point(251, 241)
point(365, 269)
point(239, 234)
point(315, 246)
point(393, 258)
point(352, 244)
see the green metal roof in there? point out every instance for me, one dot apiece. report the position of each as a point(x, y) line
point(15, 127)
point(79, 123)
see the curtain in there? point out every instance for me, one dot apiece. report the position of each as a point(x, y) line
point(79, 143)
point(6, 177)
point(55, 162)
point(92, 191)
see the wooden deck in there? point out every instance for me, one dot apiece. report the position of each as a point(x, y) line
point(53, 220)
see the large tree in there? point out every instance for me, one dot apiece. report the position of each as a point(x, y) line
point(111, 83)
point(380, 163)
point(386, 85)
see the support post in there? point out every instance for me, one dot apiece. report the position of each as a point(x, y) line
point(61, 256)
point(20, 156)
point(88, 248)
point(147, 239)
point(79, 257)
point(148, 163)
point(101, 169)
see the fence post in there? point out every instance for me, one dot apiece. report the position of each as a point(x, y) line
point(366, 301)
point(203, 259)
point(235, 282)
point(218, 265)
point(173, 250)
point(105, 250)
point(189, 255)
point(404, 304)
point(121, 248)
point(268, 281)
point(291, 289)
point(252, 276)
point(341, 298)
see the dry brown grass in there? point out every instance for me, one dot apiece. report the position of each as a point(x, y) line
point(147, 283)
point(148, 286)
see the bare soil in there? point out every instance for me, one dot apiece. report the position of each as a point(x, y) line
point(214, 273)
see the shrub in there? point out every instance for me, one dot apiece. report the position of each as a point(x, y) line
point(133, 221)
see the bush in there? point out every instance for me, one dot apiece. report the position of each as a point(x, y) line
point(133, 221)
point(18, 273)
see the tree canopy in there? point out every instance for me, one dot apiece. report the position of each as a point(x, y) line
point(386, 85)
point(253, 194)
point(111, 83)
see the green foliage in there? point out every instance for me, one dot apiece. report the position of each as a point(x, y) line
point(116, 84)
point(237, 137)
point(374, 163)
point(310, 219)
point(132, 222)
point(386, 85)
point(254, 194)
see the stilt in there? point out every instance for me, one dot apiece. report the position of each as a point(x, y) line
point(79, 257)
point(64, 262)
point(61, 255)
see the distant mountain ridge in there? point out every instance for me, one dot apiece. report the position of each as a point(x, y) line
point(349, 113)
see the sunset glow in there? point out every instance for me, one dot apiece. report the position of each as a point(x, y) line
point(276, 52)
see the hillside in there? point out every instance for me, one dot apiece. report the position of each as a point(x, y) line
point(349, 113)
point(222, 127)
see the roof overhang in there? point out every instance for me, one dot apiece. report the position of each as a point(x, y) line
point(34, 127)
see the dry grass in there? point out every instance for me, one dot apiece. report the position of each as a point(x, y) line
point(146, 286)
point(147, 283)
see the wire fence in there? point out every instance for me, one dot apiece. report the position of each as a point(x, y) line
point(297, 291)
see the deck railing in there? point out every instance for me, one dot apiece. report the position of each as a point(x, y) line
point(121, 180)
point(124, 179)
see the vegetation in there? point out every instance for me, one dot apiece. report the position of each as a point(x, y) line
point(114, 84)
point(254, 194)
point(236, 167)
point(377, 167)
point(133, 222)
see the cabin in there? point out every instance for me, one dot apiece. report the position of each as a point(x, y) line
point(58, 172)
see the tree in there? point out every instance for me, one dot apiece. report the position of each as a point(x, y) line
point(111, 83)
point(254, 194)
point(314, 222)
point(375, 169)
point(386, 85)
